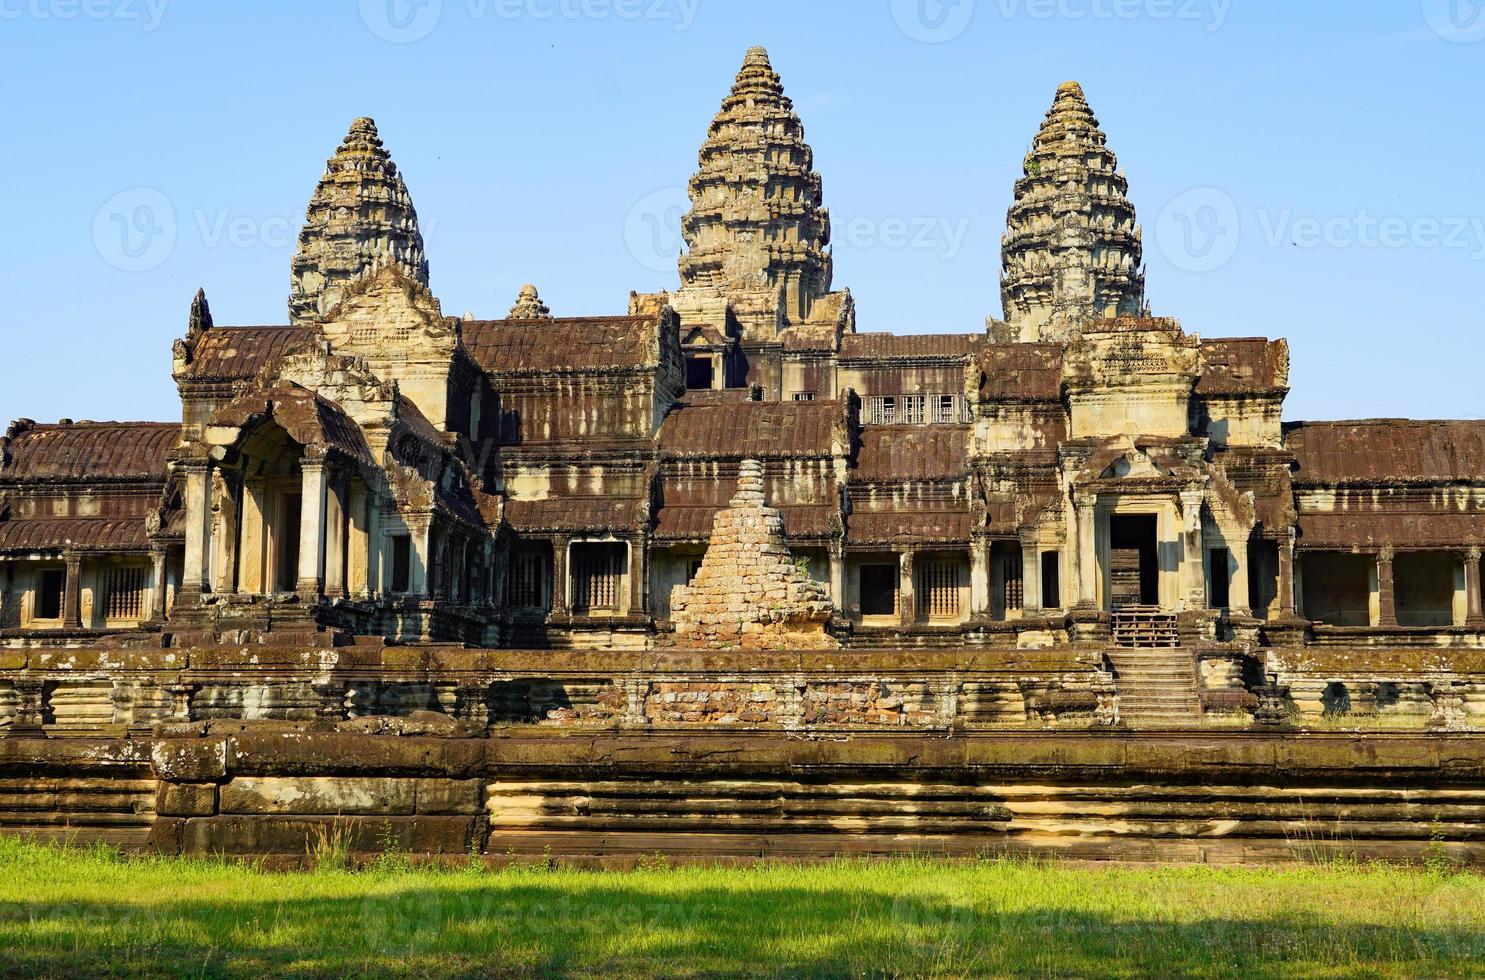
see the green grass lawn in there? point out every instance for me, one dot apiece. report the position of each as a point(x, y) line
point(90, 912)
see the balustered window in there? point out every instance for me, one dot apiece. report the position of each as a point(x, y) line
point(123, 595)
point(937, 587)
point(597, 577)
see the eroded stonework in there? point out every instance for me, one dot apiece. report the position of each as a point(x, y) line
point(749, 592)
point(360, 216)
point(1072, 251)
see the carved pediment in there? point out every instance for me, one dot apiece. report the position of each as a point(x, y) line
point(386, 314)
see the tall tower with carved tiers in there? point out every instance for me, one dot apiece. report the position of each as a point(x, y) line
point(1072, 251)
point(756, 233)
point(360, 217)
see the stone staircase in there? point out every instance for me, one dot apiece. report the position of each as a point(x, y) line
point(1156, 687)
point(1144, 627)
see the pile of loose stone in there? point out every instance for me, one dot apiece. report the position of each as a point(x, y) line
point(749, 593)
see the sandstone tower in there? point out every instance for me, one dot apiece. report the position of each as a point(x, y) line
point(360, 216)
point(1071, 250)
point(756, 233)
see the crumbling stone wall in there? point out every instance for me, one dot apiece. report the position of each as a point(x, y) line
point(749, 593)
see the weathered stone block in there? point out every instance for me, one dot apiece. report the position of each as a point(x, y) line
point(186, 800)
point(316, 796)
point(195, 761)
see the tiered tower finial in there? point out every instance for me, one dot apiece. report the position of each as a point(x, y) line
point(359, 218)
point(756, 233)
point(1072, 250)
point(529, 306)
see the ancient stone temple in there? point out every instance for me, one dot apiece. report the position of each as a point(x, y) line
point(800, 588)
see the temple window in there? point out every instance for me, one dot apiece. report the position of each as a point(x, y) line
point(881, 410)
point(937, 586)
point(879, 590)
point(913, 409)
point(1337, 587)
point(597, 576)
point(1051, 585)
point(1014, 591)
point(804, 396)
point(1425, 587)
point(401, 563)
point(699, 373)
point(51, 583)
point(945, 409)
point(1219, 593)
point(526, 585)
point(123, 594)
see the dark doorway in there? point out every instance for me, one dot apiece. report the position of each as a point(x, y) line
point(1134, 571)
point(878, 590)
point(288, 544)
point(698, 373)
point(1221, 596)
point(401, 563)
point(49, 596)
point(1051, 587)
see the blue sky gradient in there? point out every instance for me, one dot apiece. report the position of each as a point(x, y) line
point(1305, 170)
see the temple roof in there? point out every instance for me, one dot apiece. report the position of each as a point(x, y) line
point(88, 451)
point(568, 344)
point(886, 346)
point(757, 430)
point(242, 353)
point(900, 453)
point(79, 533)
point(1021, 372)
point(1242, 366)
point(1387, 451)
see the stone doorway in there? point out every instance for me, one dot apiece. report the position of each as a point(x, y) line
point(1134, 569)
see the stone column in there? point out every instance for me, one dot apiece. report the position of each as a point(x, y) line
point(1086, 571)
point(1192, 577)
point(226, 542)
point(1031, 575)
point(198, 528)
point(72, 597)
point(1386, 594)
point(637, 565)
point(559, 574)
point(838, 574)
point(1238, 599)
point(907, 603)
point(252, 579)
point(1474, 616)
point(979, 578)
point(1286, 576)
point(358, 548)
point(312, 528)
point(158, 585)
point(420, 530)
point(335, 536)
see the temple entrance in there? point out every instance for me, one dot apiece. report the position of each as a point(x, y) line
point(286, 543)
point(1134, 571)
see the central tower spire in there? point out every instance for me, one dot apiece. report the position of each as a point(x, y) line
point(360, 217)
point(1071, 251)
point(756, 233)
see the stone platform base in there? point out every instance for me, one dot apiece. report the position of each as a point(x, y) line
point(615, 798)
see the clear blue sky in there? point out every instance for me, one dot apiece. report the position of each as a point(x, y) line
point(548, 140)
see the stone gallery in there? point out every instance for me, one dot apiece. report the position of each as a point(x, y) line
point(722, 575)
